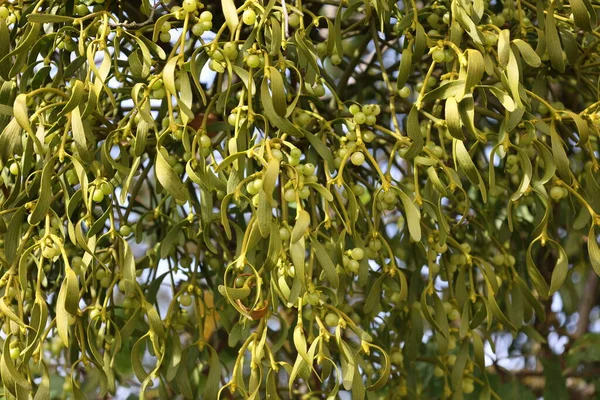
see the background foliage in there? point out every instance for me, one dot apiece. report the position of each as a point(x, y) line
point(277, 200)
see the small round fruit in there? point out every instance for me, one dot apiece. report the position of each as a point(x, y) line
point(498, 259)
point(189, 5)
point(389, 196)
point(358, 189)
point(332, 319)
point(14, 168)
point(438, 372)
point(205, 141)
point(231, 119)
point(207, 25)
point(198, 29)
point(321, 49)
point(433, 19)
point(4, 12)
point(466, 247)
point(284, 234)
point(358, 158)
point(253, 61)
point(368, 136)
point(304, 118)
point(438, 55)
point(277, 154)
point(304, 193)
point(165, 27)
point(206, 16)
point(353, 266)
point(80, 9)
point(14, 353)
point(491, 39)
point(165, 37)
point(451, 360)
point(354, 109)
point(105, 282)
point(404, 92)
point(309, 169)
point(357, 253)
point(512, 159)
point(290, 195)
point(467, 386)
point(230, 50)
point(48, 252)
point(98, 196)
point(296, 153)
point(397, 357)
point(294, 20)
point(319, 90)
point(185, 300)
point(125, 230)
point(557, 192)
point(371, 119)
point(106, 188)
point(249, 17)
point(312, 298)
point(454, 315)
point(360, 118)
point(335, 59)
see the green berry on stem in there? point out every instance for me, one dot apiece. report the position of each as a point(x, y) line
point(322, 49)
point(253, 61)
point(557, 192)
point(185, 300)
point(207, 25)
point(332, 319)
point(125, 230)
point(357, 253)
point(249, 17)
point(98, 196)
point(206, 16)
point(319, 90)
point(404, 92)
point(189, 5)
point(14, 353)
point(165, 37)
point(309, 169)
point(197, 29)
point(294, 20)
point(284, 234)
point(290, 195)
point(360, 118)
point(165, 27)
point(438, 55)
point(358, 158)
point(230, 50)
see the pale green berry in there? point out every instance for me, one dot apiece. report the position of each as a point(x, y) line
point(189, 5)
point(249, 17)
point(404, 92)
point(357, 158)
point(98, 196)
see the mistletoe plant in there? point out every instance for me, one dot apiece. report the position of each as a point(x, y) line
point(270, 199)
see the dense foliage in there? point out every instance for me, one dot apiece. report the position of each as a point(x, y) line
point(275, 200)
